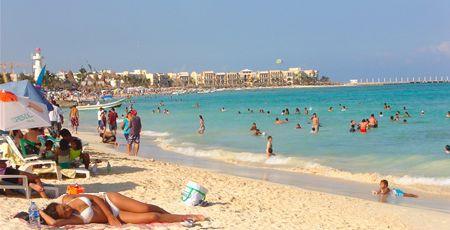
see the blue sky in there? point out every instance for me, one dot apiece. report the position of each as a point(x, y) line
point(342, 39)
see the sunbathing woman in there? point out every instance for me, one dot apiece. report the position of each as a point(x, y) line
point(110, 207)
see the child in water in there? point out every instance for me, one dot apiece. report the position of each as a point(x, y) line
point(385, 190)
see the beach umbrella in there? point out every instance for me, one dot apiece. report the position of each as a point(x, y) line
point(26, 89)
point(21, 113)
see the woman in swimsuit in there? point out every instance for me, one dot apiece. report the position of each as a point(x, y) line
point(110, 207)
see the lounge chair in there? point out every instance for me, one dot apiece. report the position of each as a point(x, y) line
point(31, 160)
point(27, 162)
point(24, 186)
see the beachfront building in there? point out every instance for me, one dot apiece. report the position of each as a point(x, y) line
point(232, 79)
point(219, 80)
point(61, 75)
point(196, 78)
point(208, 78)
point(183, 78)
point(276, 77)
point(247, 77)
point(263, 78)
point(161, 80)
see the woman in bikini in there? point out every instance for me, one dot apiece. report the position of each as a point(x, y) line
point(107, 208)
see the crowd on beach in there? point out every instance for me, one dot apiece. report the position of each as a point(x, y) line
point(58, 144)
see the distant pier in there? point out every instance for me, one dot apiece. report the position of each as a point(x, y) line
point(400, 80)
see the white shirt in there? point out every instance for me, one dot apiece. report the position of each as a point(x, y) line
point(99, 115)
point(60, 114)
point(54, 114)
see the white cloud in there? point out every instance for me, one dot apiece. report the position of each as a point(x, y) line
point(442, 48)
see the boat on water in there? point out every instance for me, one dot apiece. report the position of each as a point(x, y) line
point(117, 103)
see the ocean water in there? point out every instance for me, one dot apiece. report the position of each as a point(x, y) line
point(412, 153)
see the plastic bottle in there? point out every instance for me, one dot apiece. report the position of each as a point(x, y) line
point(108, 167)
point(34, 217)
point(94, 169)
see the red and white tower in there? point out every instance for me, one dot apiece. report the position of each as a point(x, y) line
point(38, 63)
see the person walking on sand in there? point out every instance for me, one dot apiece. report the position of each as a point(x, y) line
point(269, 149)
point(74, 118)
point(201, 129)
point(135, 133)
point(315, 122)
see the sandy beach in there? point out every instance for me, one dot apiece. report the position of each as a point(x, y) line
point(236, 203)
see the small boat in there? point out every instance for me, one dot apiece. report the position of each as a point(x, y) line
point(117, 103)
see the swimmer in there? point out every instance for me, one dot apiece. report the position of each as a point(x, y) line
point(286, 111)
point(422, 113)
point(447, 149)
point(306, 111)
point(313, 130)
point(278, 121)
point(406, 114)
point(392, 118)
point(405, 121)
point(257, 132)
point(330, 109)
point(253, 127)
point(297, 111)
point(448, 114)
point(201, 129)
point(298, 126)
point(381, 114)
point(373, 123)
point(286, 120)
point(385, 190)
point(343, 108)
point(269, 149)
point(223, 109)
point(352, 126)
point(363, 126)
point(315, 122)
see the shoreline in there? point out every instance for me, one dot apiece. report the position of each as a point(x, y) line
point(337, 185)
point(236, 202)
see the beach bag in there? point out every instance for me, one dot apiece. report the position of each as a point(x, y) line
point(193, 194)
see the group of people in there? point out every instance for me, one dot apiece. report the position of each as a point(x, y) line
point(66, 152)
point(131, 127)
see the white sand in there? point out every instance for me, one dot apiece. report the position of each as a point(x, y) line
point(238, 203)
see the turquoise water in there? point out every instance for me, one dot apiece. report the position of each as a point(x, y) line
point(414, 149)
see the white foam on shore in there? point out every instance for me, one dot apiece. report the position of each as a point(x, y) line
point(150, 133)
point(407, 180)
point(282, 162)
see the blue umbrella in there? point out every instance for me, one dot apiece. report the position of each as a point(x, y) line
point(26, 89)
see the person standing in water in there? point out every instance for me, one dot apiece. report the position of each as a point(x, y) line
point(201, 129)
point(315, 122)
point(74, 118)
point(269, 149)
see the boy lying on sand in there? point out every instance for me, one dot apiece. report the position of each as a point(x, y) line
point(385, 190)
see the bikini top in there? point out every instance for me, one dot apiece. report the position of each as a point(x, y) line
point(87, 214)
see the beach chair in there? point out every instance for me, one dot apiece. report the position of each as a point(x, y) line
point(24, 185)
point(31, 160)
point(27, 162)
